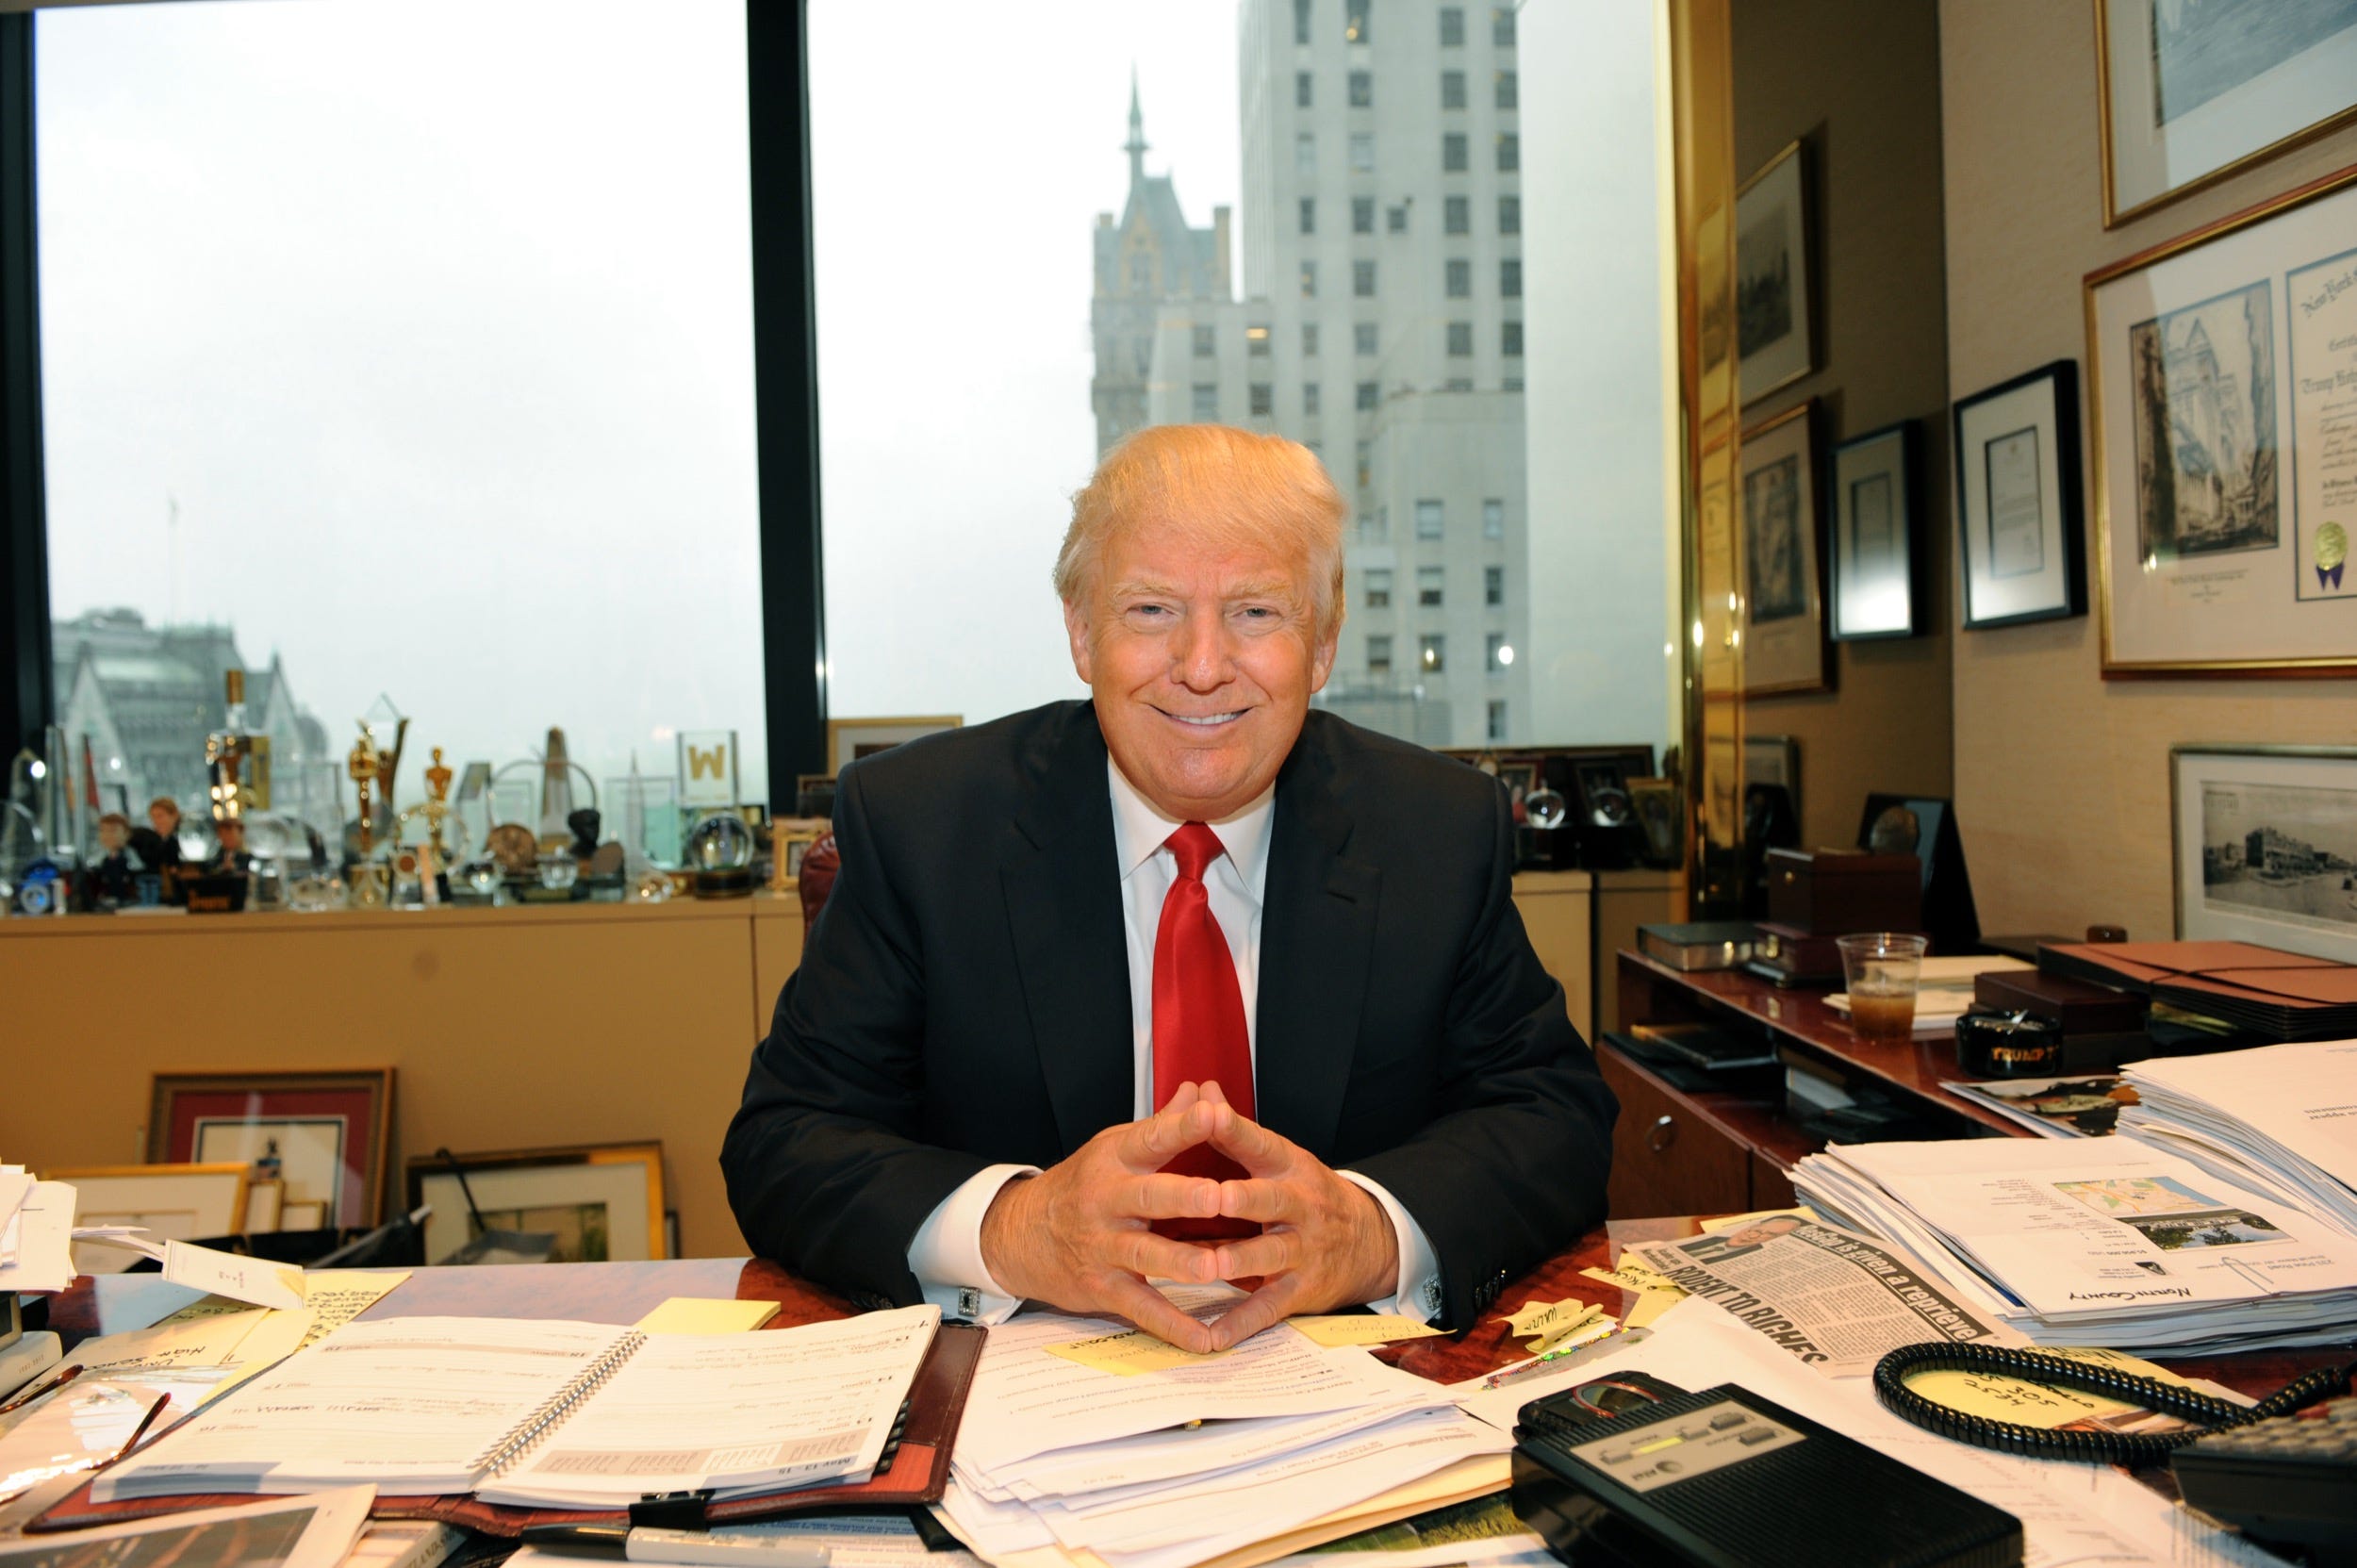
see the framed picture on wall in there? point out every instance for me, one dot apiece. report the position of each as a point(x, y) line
point(1772, 325)
point(322, 1134)
point(849, 739)
point(1783, 607)
point(2192, 93)
point(2017, 525)
point(2220, 365)
point(2266, 845)
point(1773, 760)
point(1874, 535)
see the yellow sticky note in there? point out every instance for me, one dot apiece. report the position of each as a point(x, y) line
point(689, 1315)
point(1544, 1323)
point(1652, 1304)
point(1655, 1294)
point(1361, 1328)
point(1128, 1354)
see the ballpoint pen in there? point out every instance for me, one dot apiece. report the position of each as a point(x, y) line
point(1557, 1360)
point(696, 1547)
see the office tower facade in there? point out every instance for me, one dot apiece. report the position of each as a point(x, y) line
point(1380, 326)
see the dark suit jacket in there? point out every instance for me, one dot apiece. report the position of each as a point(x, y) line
point(965, 999)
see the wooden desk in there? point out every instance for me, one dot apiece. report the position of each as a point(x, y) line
point(1686, 1151)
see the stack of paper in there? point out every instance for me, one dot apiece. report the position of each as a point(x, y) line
point(2279, 1120)
point(36, 1226)
point(2098, 1242)
point(1081, 1435)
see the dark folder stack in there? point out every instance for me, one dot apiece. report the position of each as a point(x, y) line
point(2218, 996)
point(2277, 1005)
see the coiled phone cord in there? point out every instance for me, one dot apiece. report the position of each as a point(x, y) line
point(2208, 1413)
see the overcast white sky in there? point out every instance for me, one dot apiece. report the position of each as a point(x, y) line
point(433, 318)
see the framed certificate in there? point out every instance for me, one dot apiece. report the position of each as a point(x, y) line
point(1783, 620)
point(2222, 366)
point(2017, 525)
point(1874, 535)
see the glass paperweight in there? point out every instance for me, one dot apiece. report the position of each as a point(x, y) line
point(653, 887)
point(558, 872)
point(480, 875)
point(316, 894)
point(1544, 808)
point(721, 842)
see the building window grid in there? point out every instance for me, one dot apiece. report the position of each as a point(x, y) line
point(1301, 21)
point(1509, 90)
point(1432, 654)
point(1510, 215)
point(1454, 152)
point(1355, 21)
point(1362, 279)
point(1397, 218)
point(1379, 654)
point(1365, 456)
point(1452, 90)
point(1510, 340)
point(1510, 277)
point(1362, 215)
point(1263, 400)
point(1430, 582)
point(1362, 152)
point(1457, 214)
point(1206, 343)
point(1378, 588)
point(1310, 398)
point(1509, 153)
point(1459, 274)
point(1370, 395)
point(1363, 339)
point(1497, 720)
point(1494, 588)
point(1206, 402)
point(1309, 215)
point(1460, 340)
point(1309, 280)
point(1502, 26)
point(1362, 90)
point(1493, 517)
point(1493, 651)
point(1305, 154)
point(1431, 519)
point(1255, 341)
point(1452, 26)
point(1302, 90)
point(1309, 339)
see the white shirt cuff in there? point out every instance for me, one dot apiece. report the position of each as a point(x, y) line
point(1417, 1294)
point(947, 1254)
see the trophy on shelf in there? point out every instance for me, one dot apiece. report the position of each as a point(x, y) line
point(434, 855)
point(366, 765)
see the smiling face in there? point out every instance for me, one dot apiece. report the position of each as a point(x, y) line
point(1202, 659)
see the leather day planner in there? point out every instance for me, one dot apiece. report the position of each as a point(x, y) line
point(915, 1474)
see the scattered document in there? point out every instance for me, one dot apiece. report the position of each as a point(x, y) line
point(256, 1280)
point(879, 1541)
point(2278, 1117)
point(331, 1298)
point(1344, 1329)
point(2098, 1241)
point(687, 1314)
point(1544, 1325)
point(1129, 1354)
point(315, 1532)
point(37, 1242)
point(2081, 1105)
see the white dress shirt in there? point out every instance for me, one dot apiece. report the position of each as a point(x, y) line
point(947, 1254)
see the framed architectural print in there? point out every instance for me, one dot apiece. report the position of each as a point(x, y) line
point(1783, 622)
point(2017, 527)
point(322, 1134)
point(849, 739)
point(2225, 436)
point(2265, 844)
point(1771, 277)
point(2191, 93)
point(1874, 535)
point(601, 1203)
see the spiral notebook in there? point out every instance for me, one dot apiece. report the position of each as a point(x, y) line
point(549, 1414)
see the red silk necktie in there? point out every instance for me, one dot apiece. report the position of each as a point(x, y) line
point(1199, 1032)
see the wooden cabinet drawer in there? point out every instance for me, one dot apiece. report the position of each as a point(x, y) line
point(1666, 1159)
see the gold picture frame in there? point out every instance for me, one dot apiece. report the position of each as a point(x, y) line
point(1773, 277)
point(334, 1125)
point(604, 1200)
point(180, 1200)
point(848, 739)
point(2300, 92)
point(2206, 535)
point(1780, 549)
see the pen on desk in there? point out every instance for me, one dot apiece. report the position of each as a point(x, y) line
point(40, 1386)
point(694, 1547)
point(1558, 1361)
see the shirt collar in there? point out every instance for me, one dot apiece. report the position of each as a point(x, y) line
point(1141, 827)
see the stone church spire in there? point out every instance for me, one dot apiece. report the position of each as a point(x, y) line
point(1136, 145)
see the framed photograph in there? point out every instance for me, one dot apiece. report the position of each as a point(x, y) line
point(1874, 535)
point(322, 1134)
point(604, 1203)
point(2265, 846)
point(1519, 776)
point(265, 1205)
point(2018, 523)
point(303, 1216)
point(849, 739)
point(2192, 93)
point(1784, 608)
point(1655, 804)
point(183, 1201)
point(2226, 444)
point(790, 840)
point(1773, 760)
point(1771, 277)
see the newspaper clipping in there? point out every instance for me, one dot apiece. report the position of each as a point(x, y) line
point(1831, 1297)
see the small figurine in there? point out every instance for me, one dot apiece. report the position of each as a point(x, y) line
point(362, 767)
point(231, 854)
point(160, 845)
point(114, 878)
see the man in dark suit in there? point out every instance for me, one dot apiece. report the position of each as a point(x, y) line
point(1183, 982)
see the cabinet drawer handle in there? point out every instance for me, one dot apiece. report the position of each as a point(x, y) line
point(1663, 1133)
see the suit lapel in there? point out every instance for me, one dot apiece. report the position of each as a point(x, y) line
point(1317, 943)
point(1063, 893)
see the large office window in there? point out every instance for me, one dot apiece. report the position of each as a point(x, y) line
point(397, 372)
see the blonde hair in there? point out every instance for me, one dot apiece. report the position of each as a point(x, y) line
point(1221, 487)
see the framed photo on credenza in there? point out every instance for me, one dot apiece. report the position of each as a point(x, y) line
point(2018, 517)
point(2265, 846)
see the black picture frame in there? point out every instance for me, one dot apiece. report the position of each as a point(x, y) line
point(1872, 527)
point(2021, 432)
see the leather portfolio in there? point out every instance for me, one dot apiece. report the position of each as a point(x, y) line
point(1838, 892)
point(2139, 967)
point(915, 1472)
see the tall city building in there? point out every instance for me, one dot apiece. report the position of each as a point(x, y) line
point(1381, 326)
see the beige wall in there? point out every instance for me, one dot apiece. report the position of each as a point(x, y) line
point(1861, 84)
point(2062, 777)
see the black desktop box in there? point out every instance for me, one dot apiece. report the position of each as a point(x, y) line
point(1724, 1478)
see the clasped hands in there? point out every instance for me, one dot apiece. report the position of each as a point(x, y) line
point(1078, 1235)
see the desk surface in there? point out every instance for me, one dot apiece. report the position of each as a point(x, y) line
point(623, 1293)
